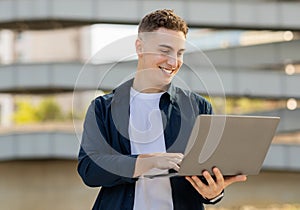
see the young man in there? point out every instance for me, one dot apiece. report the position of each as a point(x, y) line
point(143, 126)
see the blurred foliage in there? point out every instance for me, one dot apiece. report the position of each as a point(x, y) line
point(75, 116)
point(243, 105)
point(25, 113)
point(47, 110)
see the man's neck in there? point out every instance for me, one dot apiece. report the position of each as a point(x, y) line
point(145, 86)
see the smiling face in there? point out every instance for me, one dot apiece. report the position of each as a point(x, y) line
point(160, 56)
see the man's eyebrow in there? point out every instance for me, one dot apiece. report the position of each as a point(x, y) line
point(169, 47)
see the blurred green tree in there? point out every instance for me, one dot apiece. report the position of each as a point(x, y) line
point(49, 110)
point(25, 113)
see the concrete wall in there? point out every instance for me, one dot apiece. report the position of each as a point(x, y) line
point(43, 185)
point(55, 184)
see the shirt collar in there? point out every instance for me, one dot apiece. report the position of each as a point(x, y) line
point(123, 91)
point(171, 91)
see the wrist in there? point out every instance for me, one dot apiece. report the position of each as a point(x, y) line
point(215, 199)
point(142, 165)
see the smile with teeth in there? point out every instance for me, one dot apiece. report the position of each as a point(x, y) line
point(168, 71)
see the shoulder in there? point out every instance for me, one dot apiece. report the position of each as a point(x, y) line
point(105, 98)
point(190, 95)
point(100, 105)
point(196, 99)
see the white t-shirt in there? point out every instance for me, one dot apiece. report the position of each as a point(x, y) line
point(146, 135)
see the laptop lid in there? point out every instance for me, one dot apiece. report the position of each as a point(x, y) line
point(235, 144)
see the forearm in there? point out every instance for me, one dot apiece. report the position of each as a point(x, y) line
point(107, 170)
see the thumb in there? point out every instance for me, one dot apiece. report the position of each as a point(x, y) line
point(232, 179)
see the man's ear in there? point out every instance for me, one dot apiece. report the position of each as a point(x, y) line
point(139, 47)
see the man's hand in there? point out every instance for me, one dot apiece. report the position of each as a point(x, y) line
point(214, 187)
point(163, 161)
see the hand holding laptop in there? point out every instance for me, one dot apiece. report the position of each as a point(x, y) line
point(157, 165)
point(211, 187)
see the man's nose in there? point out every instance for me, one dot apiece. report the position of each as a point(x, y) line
point(173, 61)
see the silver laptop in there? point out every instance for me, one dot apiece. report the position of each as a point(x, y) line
point(236, 144)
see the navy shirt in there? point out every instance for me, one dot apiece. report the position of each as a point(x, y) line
point(105, 156)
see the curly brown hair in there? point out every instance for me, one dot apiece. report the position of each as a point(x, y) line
point(165, 18)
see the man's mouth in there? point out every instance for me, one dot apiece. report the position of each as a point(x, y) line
point(167, 71)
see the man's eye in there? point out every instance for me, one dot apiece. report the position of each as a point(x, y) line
point(165, 51)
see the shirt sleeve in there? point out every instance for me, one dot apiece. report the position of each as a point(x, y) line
point(203, 106)
point(206, 107)
point(98, 163)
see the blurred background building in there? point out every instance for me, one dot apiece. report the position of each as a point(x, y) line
point(56, 55)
